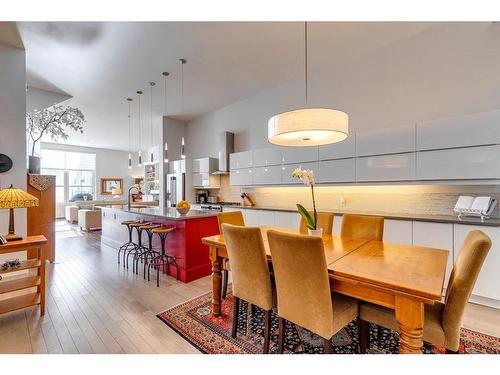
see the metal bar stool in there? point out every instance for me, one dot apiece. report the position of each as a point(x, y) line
point(149, 253)
point(139, 246)
point(163, 259)
point(130, 244)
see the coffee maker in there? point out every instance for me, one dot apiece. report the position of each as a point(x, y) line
point(201, 196)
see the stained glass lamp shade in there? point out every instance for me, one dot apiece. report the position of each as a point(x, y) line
point(11, 198)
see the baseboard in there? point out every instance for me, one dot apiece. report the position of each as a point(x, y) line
point(484, 301)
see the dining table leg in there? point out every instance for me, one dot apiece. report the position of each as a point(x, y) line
point(410, 317)
point(216, 280)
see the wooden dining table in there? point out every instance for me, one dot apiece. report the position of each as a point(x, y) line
point(401, 277)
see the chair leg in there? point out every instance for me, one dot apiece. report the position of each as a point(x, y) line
point(281, 339)
point(236, 307)
point(327, 346)
point(267, 331)
point(364, 335)
point(225, 275)
point(448, 351)
point(379, 332)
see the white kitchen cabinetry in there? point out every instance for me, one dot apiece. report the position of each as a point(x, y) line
point(286, 172)
point(398, 231)
point(342, 170)
point(337, 224)
point(394, 167)
point(177, 166)
point(459, 163)
point(488, 282)
point(205, 165)
point(294, 155)
point(205, 181)
point(239, 160)
point(287, 219)
point(267, 156)
point(392, 140)
point(251, 217)
point(436, 235)
point(469, 130)
point(267, 175)
point(241, 177)
point(340, 150)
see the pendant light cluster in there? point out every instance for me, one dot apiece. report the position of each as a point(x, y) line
point(308, 126)
point(139, 93)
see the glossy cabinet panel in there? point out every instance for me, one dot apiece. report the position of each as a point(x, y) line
point(239, 160)
point(386, 141)
point(469, 130)
point(293, 155)
point(267, 175)
point(395, 167)
point(481, 162)
point(241, 177)
point(267, 156)
point(342, 170)
point(286, 172)
point(340, 150)
point(398, 231)
point(205, 165)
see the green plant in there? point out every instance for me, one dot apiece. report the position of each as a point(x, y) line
point(307, 177)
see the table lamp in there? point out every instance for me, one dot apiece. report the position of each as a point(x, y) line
point(15, 198)
point(116, 192)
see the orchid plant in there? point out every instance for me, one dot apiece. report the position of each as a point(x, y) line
point(307, 177)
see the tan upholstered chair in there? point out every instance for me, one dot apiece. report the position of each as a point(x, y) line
point(251, 279)
point(303, 287)
point(89, 219)
point(442, 321)
point(71, 214)
point(234, 218)
point(361, 226)
point(325, 221)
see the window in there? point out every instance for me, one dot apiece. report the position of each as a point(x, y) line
point(74, 171)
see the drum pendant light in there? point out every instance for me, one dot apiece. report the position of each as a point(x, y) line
point(129, 100)
point(139, 93)
point(308, 126)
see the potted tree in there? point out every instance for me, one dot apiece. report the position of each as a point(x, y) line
point(52, 121)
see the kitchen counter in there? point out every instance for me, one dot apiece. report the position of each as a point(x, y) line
point(452, 219)
point(164, 212)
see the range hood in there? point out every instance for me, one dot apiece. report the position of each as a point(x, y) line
point(226, 147)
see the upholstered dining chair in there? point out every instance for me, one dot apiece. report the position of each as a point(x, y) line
point(325, 222)
point(251, 278)
point(362, 226)
point(442, 321)
point(303, 288)
point(234, 218)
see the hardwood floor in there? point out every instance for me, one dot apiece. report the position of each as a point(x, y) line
point(95, 306)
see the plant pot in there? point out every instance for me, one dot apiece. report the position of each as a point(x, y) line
point(34, 165)
point(315, 232)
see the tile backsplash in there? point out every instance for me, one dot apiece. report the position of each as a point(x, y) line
point(395, 199)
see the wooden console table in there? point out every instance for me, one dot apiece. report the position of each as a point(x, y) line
point(34, 246)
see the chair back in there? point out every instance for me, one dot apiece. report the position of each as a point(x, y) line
point(302, 282)
point(463, 277)
point(362, 227)
point(230, 217)
point(249, 269)
point(325, 222)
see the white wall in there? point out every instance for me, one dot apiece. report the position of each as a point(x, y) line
point(12, 127)
point(448, 70)
point(40, 99)
point(109, 163)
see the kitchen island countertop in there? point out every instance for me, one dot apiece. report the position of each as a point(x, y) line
point(164, 212)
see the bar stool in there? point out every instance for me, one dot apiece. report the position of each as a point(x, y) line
point(149, 253)
point(139, 248)
point(163, 259)
point(130, 244)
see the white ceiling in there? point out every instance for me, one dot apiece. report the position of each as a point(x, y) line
point(101, 64)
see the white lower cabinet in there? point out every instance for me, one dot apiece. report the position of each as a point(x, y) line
point(488, 281)
point(251, 217)
point(437, 235)
point(337, 224)
point(398, 231)
point(286, 219)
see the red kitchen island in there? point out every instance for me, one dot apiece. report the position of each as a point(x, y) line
point(184, 242)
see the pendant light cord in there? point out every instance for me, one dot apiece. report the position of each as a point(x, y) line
point(305, 64)
point(183, 61)
point(139, 113)
point(129, 125)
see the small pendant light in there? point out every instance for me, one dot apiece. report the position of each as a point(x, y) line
point(183, 154)
point(139, 93)
point(183, 61)
point(165, 75)
point(151, 156)
point(129, 100)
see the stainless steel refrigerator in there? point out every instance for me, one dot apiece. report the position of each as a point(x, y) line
point(175, 188)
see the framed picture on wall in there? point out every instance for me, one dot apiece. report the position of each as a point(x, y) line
point(109, 183)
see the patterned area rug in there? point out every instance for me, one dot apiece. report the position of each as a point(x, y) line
point(194, 321)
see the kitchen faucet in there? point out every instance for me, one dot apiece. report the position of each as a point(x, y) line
point(128, 197)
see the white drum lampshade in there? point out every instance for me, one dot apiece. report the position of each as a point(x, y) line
point(308, 127)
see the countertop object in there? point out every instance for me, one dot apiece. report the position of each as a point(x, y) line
point(165, 212)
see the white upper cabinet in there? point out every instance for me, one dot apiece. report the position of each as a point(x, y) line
point(394, 167)
point(470, 130)
point(339, 150)
point(295, 155)
point(459, 163)
point(205, 165)
point(267, 175)
point(342, 170)
point(239, 160)
point(241, 177)
point(286, 172)
point(267, 156)
point(391, 140)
